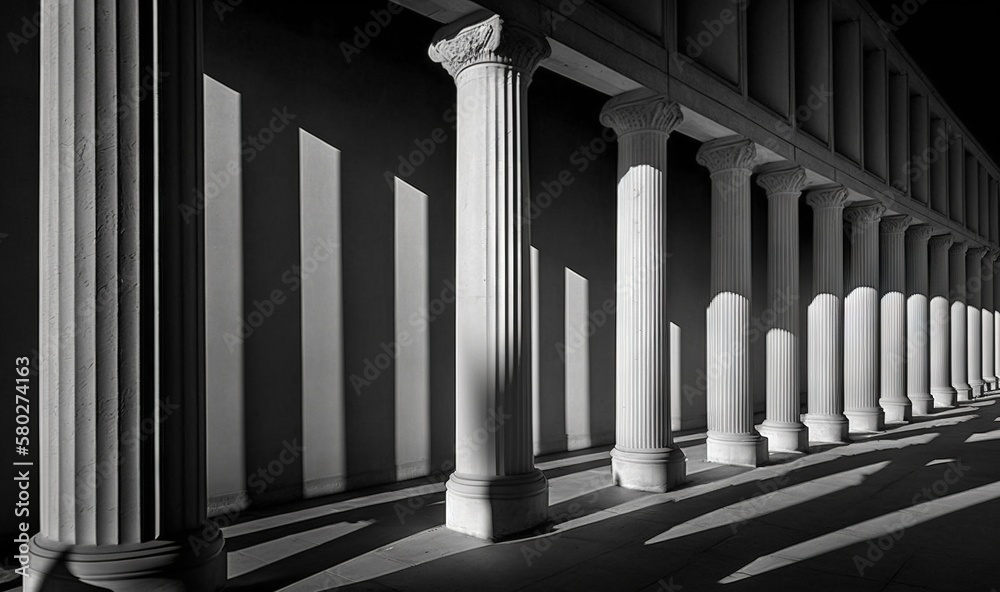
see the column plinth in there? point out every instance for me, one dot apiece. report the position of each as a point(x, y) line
point(974, 297)
point(644, 456)
point(918, 377)
point(825, 418)
point(861, 320)
point(731, 438)
point(942, 391)
point(496, 490)
point(782, 425)
point(959, 321)
point(892, 256)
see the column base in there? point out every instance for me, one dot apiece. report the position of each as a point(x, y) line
point(657, 470)
point(192, 565)
point(896, 410)
point(963, 393)
point(785, 436)
point(494, 507)
point(830, 429)
point(944, 398)
point(921, 404)
point(866, 420)
point(977, 388)
point(745, 450)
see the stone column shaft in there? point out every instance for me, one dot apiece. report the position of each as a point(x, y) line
point(918, 376)
point(783, 427)
point(496, 489)
point(989, 368)
point(825, 418)
point(861, 320)
point(996, 320)
point(122, 384)
point(892, 255)
point(942, 391)
point(644, 457)
point(974, 294)
point(959, 322)
point(732, 438)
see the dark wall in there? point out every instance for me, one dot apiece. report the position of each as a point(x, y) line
point(19, 99)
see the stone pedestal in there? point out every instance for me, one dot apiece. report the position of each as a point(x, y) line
point(942, 391)
point(959, 322)
point(496, 489)
point(732, 438)
point(892, 254)
point(974, 303)
point(918, 372)
point(782, 426)
point(122, 504)
point(861, 320)
point(644, 456)
point(825, 418)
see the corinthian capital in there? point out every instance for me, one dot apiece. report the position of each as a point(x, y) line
point(641, 110)
point(828, 196)
point(895, 224)
point(781, 178)
point(482, 38)
point(730, 153)
point(869, 211)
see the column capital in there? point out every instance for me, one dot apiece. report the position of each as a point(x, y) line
point(919, 233)
point(993, 254)
point(942, 242)
point(977, 252)
point(827, 196)
point(867, 211)
point(959, 248)
point(724, 154)
point(779, 178)
point(485, 38)
point(895, 224)
point(641, 110)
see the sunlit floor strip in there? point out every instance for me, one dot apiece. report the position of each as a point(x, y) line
point(863, 531)
point(983, 437)
point(769, 502)
point(288, 546)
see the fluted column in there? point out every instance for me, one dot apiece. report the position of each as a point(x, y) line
point(918, 371)
point(644, 456)
point(782, 426)
point(732, 438)
point(942, 391)
point(959, 321)
point(892, 257)
point(989, 369)
point(825, 417)
point(122, 505)
point(974, 295)
point(996, 319)
point(496, 489)
point(861, 320)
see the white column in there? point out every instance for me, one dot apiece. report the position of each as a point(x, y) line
point(959, 322)
point(892, 278)
point(825, 417)
point(644, 456)
point(974, 294)
point(496, 489)
point(942, 391)
point(996, 319)
point(918, 372)
point(732, 438)
point(782, 426)
point(861, 320)
point(989, 369)
point(122, 506)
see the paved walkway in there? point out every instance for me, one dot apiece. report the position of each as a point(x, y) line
point(915, 508)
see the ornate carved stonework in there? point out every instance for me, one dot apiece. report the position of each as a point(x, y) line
point(482, 39)
point(978, 252)
point(942, 241)
point(919, 232)
point(895, 224)
point(725, 154)
point(831, 196)
point(786, 179)
point(959, 248)
point(864, 212)
point(641, 110)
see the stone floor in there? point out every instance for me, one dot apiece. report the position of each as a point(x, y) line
point(914, 508)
